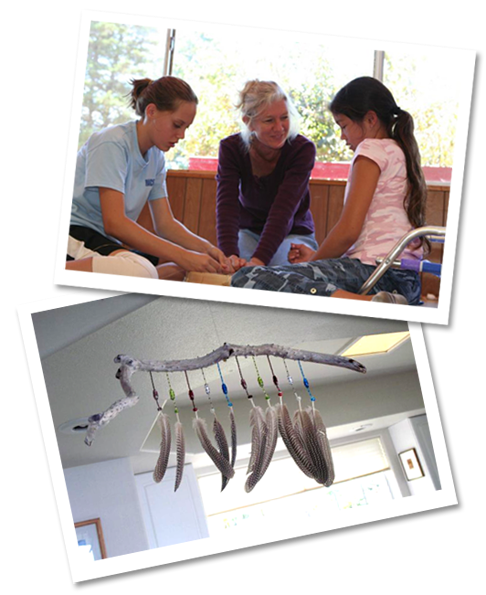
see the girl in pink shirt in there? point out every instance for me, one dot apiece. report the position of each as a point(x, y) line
point(385, 198)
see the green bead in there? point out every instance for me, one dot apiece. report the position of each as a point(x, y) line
point(260, 381)
point(172, 393)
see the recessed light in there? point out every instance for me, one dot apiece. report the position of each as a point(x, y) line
point(74, 426)
point(362, 427)
point(375, 344)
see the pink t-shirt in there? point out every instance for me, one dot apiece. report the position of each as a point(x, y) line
point(386, 221)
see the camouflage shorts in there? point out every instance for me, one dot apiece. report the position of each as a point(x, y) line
point(324, 277)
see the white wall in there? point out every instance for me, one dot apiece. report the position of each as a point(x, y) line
point(404, 437)
point(108, 491)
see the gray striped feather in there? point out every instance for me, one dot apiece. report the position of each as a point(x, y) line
point(222, 443)
point(218, 459)
point(313, 446)
point(258, 436)
point(234, 444)
point(293, 442)
point(180, 454)
point(162, 461)
point(266, 454)
point(324, 441)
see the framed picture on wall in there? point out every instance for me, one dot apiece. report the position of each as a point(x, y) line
point(411, 464)
point(89, 533)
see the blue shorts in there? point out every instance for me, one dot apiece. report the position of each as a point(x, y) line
point(248, 241)
point(324, 277)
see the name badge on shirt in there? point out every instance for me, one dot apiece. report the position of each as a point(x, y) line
point(150, 182)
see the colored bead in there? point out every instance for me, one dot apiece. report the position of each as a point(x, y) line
point(260, 381)
point(191, 395)
point(280, 393)
point(243, 383)
point(306, 383)
point(225, 388)
point(172, 393)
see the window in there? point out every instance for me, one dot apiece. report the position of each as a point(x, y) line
point(430, 86)
point(217, 61)
point(217, 65)
point(363, 477)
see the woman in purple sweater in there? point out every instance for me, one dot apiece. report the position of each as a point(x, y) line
point(263, 199)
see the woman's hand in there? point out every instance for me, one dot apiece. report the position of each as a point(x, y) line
point(300, 253)
point(255, 262)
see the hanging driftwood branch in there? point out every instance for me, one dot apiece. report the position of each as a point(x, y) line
point(129, 365)
point(226, 351)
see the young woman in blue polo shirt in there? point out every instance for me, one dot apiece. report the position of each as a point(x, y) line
point(120, 207)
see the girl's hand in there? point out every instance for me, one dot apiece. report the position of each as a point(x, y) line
point(300, 253)
point(226, 264)
point(237, 263)
point(199, 263)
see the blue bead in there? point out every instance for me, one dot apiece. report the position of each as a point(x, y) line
point(225, 389)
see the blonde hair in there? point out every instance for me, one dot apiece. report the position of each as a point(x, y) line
point(255, 96)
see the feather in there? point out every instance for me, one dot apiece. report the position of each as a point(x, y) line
point(233, 437)
point(293, 442)
point(222, 443)
point(313, 446)
point(261, 465)
point(221, 463)
point(321, 433)
point(180, 454)
point(161, 465)
point(258, 435)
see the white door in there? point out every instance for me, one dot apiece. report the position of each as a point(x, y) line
point(172, 517)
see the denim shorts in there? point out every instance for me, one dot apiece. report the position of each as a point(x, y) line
point(324, 277)
point(248, 241)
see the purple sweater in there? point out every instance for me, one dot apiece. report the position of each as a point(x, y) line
point(273, 206)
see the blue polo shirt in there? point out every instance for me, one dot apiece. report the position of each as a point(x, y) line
point(112, 159)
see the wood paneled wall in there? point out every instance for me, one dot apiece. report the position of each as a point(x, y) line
point(192, 196)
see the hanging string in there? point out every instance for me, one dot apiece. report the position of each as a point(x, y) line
point(260, 380)
point(207, 391)
point(291, 382)
point(306, 384)
point(191, 394)
point(155, 394)
point(224, 388)
point(275, 379)
point(172, 396)
point(243, 382)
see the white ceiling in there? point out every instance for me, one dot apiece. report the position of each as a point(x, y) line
point(78, 344)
